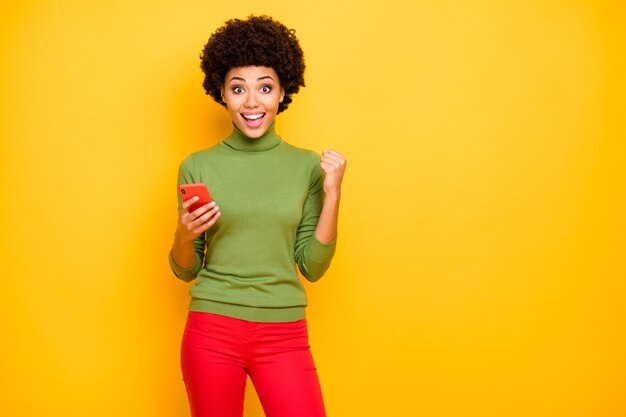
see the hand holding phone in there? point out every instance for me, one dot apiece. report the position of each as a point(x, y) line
point(195, 217)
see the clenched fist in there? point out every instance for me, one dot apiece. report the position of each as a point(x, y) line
point(334, 165)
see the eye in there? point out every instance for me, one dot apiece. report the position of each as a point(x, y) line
point(237, 90)
point(266, 89)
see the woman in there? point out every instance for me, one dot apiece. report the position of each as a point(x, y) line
point(275, 206)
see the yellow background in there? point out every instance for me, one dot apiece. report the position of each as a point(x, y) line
point(480, 268)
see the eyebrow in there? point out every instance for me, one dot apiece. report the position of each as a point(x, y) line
point(258, 79)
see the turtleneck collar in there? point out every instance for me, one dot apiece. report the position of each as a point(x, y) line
point(239, 141)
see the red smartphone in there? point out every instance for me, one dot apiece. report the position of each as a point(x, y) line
point(187, 191)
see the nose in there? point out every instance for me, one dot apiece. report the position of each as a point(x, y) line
point(251, 100)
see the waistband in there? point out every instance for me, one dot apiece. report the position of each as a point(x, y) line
point(258, 314)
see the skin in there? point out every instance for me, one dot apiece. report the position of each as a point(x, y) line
point(252, 91)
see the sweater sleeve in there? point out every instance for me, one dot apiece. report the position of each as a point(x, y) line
point(312, 256)
point(185, 176)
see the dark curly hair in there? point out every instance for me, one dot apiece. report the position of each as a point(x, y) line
point(258, 41)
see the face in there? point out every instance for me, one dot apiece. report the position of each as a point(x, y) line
point(252, 95)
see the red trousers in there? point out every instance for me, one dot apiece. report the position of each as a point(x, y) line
point(218, 352)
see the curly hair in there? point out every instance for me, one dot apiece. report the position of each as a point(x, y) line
point(258, 41)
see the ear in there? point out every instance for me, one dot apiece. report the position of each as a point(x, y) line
point(282, 95)
point(222, 94)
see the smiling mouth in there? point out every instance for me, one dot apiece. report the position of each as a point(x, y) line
point(253, 117)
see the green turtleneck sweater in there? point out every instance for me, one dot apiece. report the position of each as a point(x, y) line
point(270, 195)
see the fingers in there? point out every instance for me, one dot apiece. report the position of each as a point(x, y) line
point(200, 219)
point(207, 220)
point(189, 202)
point(330, 166)
point(332, 160)
point(333, 157)
point(332, 152)
point(196, 213)
point(204, 214)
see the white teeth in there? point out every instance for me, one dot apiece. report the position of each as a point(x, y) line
point(253, 116)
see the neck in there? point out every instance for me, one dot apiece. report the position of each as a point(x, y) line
point(239, 141)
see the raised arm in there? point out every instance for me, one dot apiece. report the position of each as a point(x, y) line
point(317, 233)
point(334, 165)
